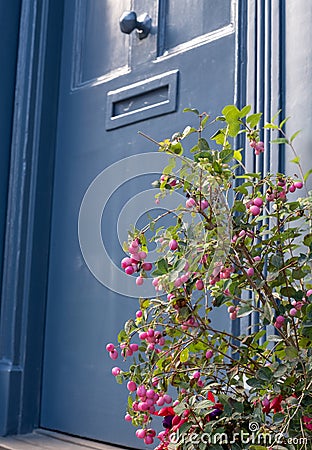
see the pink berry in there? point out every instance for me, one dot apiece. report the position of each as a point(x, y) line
point(233, 315)
point(255, 210)
point(131, 386)
point(129, 270)
point(173, 245)
point(167, 398)
point(139, 281)
point(116, 371)
point(143, 335)
point(160, 401)
point(196, 375)
point(204, 204)
point(257, 258)
point(142, 255)
point(134, 347)
point(140, 433)
point(293, 312)
point(141, 390)
point(185, 277)
point(125, 262)
point(170, 297)
point(139, 313)
point(258, 201)
point(309, 292)
point(128, 418)
point(298, 184)
point(147, 266)
point(110, 347)
point(292, 188)
point(280, 319)
point(148, 440)
point(250, 272)
point(242, 233)
point(190, 202)
point(178, 282)
point(199, 285)
point(155, 282)
point(209, 354)
point(113, 354)
point(231, 309)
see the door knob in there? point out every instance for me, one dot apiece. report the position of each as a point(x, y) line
point(129, 22)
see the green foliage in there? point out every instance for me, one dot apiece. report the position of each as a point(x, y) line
point(250, 257)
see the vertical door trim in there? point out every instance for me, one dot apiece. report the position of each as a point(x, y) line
point(26, 245)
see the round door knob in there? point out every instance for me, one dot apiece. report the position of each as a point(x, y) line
point(129, 22)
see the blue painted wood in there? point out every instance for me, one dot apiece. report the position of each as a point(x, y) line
point(9, 26)
point(79, 394)
point(25, 257)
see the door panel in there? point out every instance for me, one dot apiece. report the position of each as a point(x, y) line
point(79, 394)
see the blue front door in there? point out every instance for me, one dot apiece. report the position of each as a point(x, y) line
point(111, 86)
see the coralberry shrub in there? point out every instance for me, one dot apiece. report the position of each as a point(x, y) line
point(247, 250)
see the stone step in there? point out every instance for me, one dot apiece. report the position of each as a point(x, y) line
point(48, 440)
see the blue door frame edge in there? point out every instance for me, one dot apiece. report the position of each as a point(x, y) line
point(28, 215)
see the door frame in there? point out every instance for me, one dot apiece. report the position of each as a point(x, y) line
point(30, 191)
point(26, 251)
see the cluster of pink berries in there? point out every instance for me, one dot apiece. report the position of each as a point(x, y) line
point(136, 261)
point(296, 307)
point(191, 203)
point(127, 350)
point(220, 272)
point(152, 338)
point(146, 434)
point(113, 354)
point(254, 206)
point(191, 322)
point(282, 190)
point(233, 310)
point(257, 146)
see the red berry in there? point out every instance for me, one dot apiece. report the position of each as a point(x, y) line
point(147, 266)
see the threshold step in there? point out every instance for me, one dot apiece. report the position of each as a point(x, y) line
point(48, 440)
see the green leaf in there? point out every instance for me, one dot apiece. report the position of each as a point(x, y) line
point(244, 111)
point(291, 353)
point(169, 168)
point(253, 119)
point(264, 374)
point(187, 131)
point(280, 141)
point(307, 174)
point(268, 311)
point(296, 160)
point(176, 148)
point(276, 115)
point(253, 382)
point(278, 418)
point(307, 240)
point(276, 261)
point(271, 125)
point(184, 355)
point(237, 155)
point(192, 110)
point(203, 144)
point(283, 122)
point(288, 291)
point(294, 135)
